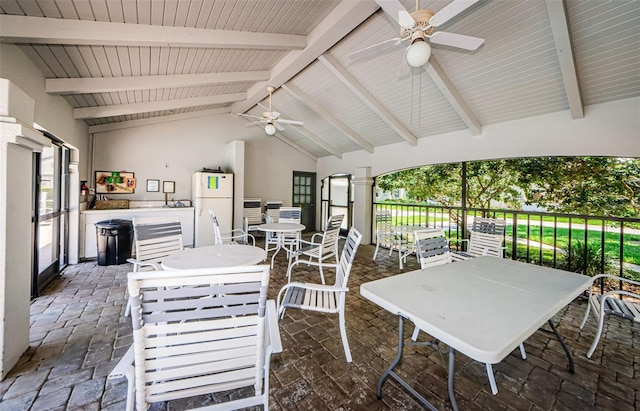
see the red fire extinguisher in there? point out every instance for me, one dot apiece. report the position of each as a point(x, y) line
point(84, 190)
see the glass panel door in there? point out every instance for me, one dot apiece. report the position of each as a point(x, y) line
point(50, 212)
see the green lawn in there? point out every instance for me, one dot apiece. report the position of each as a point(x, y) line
point(631, 242)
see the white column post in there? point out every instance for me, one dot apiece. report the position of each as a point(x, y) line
point(18, 141)
point(363, 202)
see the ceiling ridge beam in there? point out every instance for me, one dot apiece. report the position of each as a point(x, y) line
point(452, 95)
point(345, 17)
point(129, 83)
point(42, 30)
point(101, 128)
point(359, 90)
point(327, 116)
point(308, 134)
point(564, 48)
point(146, 107)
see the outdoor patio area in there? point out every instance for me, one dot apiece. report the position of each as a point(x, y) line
point(78, 333)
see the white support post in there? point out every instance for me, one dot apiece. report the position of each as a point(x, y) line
point(362, 203)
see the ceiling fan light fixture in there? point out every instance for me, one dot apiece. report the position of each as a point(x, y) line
point(418, 53)
point(270, 129)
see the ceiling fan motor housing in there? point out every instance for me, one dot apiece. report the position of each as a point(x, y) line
point(421, 18)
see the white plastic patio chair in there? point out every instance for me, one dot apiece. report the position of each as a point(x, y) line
point(325, 298)
point(154, 239)
point(485, 238)
point(321, 247)
point(384, 234)
point(236, 236)
point(605, 304)
point(199, 332)
point(251, 214)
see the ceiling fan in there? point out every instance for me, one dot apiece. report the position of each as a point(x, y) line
point(419, 28)
point(271, 118)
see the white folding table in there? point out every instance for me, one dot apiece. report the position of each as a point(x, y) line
point(482, 307)
point(227, 255)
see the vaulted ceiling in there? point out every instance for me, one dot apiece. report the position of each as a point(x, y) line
point(121, 63)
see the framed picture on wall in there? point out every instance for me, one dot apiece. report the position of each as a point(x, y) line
point(115, 182)
point(153, 186)
point(168, 186)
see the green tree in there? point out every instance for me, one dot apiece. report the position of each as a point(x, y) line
point(582, 185)
point(486, 181)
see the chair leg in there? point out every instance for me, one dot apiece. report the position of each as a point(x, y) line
point(343, 333)
point(416, 331)
point(321, 272)
point(375, 253)
point(586, 314)
point(597, 337)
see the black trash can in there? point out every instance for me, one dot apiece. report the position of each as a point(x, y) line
point(115, 238)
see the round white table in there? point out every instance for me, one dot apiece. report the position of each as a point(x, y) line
point(228, 255)
point(279, 229)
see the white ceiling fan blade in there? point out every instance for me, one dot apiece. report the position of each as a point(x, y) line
point(375, 49)
point(405, 19)
point(294, 122)
point(450, 11)
point(456, 40)
point(393, 9)
point(272, 115)
point(278, 126)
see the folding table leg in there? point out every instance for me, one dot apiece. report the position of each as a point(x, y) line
point(389, 372)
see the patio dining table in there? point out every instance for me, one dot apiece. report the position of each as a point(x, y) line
point(483, 307)
point(227, 255)
point(280, 229)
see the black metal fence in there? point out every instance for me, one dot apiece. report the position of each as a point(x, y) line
point(580, 243)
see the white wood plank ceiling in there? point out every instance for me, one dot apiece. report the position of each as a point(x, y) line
point(119, 62)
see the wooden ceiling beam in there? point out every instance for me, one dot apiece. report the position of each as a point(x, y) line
point(306, 133)
point(328, 117)
point(344, 18)
point(42, 30)
point(564, 49)
point(367, 98)
point(135, 108)
point(101, 128)
point(452, 95)
point(115, 84)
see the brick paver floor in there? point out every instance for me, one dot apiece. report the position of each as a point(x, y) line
point(78, 333)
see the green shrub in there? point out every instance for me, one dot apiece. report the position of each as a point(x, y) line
point(590, 262)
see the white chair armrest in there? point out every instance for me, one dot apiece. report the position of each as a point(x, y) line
point(124, 366)
point(137, 263)
point(273, 332)
point(317, 287)
point(614, 277)
point(313, 237)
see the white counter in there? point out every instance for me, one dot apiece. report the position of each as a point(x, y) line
point(89, 218)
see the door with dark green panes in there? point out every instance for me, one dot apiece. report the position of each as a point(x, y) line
point(304, 196)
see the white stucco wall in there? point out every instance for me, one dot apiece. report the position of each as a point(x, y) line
point(175, 150)
point(611, 129)
point(51, 112)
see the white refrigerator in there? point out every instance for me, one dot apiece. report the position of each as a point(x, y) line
point(211, 191)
